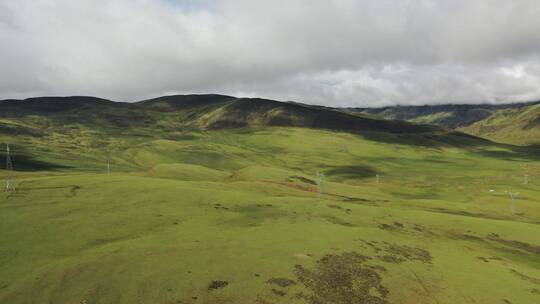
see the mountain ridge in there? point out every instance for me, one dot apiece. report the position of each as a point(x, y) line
point(511, 125)
point(216, 111)
point(206, 111)
point(447, 115)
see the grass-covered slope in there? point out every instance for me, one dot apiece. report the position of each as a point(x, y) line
point(450, 116)
point(518, 126)
point(260, 112)
point(196, 213)
point(187, 112)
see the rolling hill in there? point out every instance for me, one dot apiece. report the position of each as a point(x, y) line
point(506, 123)
point(518, 126)
point(451, 116)
point(201, 112)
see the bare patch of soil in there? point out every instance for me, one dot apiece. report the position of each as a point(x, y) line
point(302, 179)
point(342, 279)
point(218, 206)
point(410, 253)
point(281, 282)
point(280, 293)
point(391, 227)
point(339, 208)
point(391, 259)
point(217, 285)
point(515, 244)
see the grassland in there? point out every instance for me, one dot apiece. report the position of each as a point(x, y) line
point(235, 216)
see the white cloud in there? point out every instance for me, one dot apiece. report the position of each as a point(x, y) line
point(338, 52)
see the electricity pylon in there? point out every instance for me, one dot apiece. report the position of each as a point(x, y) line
point(320, 183)
point(109, 163)
point(513, 197)
point(10, 177)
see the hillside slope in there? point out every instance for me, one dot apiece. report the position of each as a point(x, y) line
point(261, 112)
point(517, 126)
point(188, 111)
point(451, 116)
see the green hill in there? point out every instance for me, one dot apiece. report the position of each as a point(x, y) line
point(199, 112)
point(518, 126)
point(451, 116)
point(215, 199)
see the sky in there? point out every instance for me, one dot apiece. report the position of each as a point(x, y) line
point(356, 53)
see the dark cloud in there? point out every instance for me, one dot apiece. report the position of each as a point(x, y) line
point(336, 52)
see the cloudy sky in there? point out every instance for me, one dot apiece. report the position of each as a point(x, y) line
point(331, 52)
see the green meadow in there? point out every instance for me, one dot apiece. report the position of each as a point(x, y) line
point(239, 216)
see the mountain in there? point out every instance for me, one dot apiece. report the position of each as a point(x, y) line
point(66, 128)
point(513, 125)
point(225, 112)
point(509, 123)
point(451, 116)
point(198, 112)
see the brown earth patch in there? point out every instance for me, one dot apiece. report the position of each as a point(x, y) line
point(217, 285)
point(281, 282)
point(301, 179)
point(280, 293)
point(419, 228)
point(342, 279)
point(391, 259)
point(339, 208)
point(515, 244)
point(395, 226)
point(220, 207)
point(410, 253)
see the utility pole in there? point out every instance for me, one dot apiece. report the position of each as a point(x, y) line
point(320, 183)
point(10, 177)
point(109, 163)
point(513, 197)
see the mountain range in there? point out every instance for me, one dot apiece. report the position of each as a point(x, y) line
point(507, 123)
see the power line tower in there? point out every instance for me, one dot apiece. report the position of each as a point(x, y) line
point(320, 183)
point(109, 162)
point(513, 197)
point(10, 176)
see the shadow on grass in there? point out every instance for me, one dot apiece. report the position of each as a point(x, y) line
point(514, 153)
point(464, 141)
point(26, 163)
point(433, 140)
point(351, 172)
